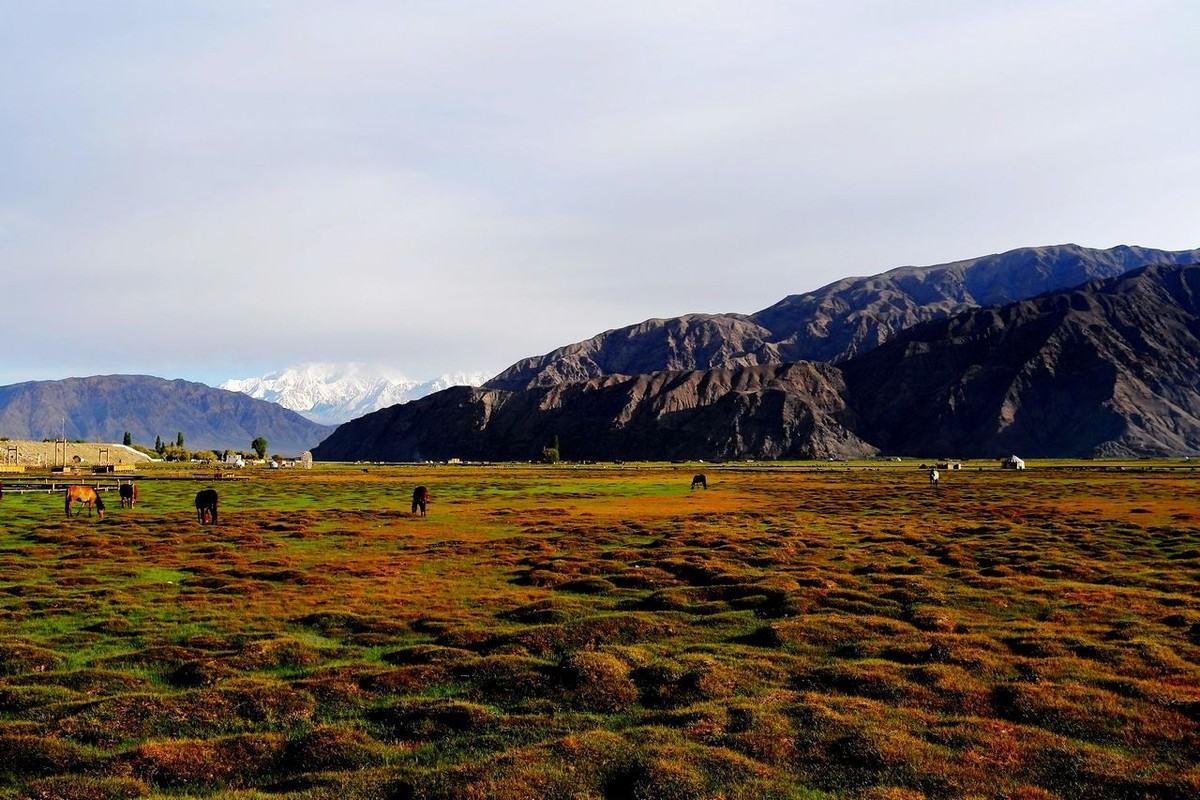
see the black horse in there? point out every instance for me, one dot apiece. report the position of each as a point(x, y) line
point(420, 499)
point(699, 480)
point(128, 494)
point(206, 506)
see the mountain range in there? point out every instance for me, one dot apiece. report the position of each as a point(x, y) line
point(103, 407)
point(1047, 351)
point(772, 410)
point(834, 322)
point(1111, 368)
point(331, 394)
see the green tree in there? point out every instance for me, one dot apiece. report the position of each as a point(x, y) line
point(127, 439)
point(158, 445)
point(179, 439)
point(551, 454)
point(259, 445)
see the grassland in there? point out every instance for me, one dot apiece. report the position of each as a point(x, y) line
point(605, 633)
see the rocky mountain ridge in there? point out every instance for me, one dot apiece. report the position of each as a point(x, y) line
point(1110, 367)
point(836, 322)
point(775, 410)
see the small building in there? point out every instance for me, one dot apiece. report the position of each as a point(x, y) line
point(1012, 462)
point(949, 465)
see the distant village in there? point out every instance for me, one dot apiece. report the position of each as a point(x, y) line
point(17, 455)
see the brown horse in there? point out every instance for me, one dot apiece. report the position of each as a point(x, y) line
point(206, 506)
point(128, 493)
point(420, 499)
point(86, 495)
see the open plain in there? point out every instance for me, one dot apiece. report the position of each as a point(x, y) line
point(603, 632)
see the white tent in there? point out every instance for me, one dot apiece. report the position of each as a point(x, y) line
point(1012, 462)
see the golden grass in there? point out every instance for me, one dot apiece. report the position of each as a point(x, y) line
point(606, 633)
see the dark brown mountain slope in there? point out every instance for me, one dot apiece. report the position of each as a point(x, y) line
point(775, 411)
point(1110, 368)
point(835, 322)
point(677, 343)
point(103, 407)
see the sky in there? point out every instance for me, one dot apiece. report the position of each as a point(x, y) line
point(219, 189)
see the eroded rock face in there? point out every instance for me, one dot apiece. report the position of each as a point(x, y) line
point(792, 410)
point(1111, 368)
point(834, 323)
point(694, 341)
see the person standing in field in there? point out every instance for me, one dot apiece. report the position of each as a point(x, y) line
point(934, 477)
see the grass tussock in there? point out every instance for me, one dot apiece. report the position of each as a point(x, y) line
point(602, 633)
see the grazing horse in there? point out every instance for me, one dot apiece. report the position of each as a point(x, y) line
point(128, 493)
point(420, 499)
point(934, 477)
point(206, 506)
point(86, 495)
point(699, 480)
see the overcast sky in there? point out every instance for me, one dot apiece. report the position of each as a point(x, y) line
point(206, 190)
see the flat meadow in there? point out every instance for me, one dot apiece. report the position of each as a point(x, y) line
point(604, 632)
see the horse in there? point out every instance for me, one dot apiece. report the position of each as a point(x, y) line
point(206, 506)
point(699, 480)
point(86, 495)
point(934, 477)
point(128, 493)
point(420, 499)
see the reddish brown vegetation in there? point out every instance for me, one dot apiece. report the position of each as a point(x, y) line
point(604, 634)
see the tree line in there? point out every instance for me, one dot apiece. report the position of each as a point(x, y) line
point(177, 451)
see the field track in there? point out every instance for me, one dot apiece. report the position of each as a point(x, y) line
point(607, 633)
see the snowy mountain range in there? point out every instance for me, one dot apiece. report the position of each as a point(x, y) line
point(335, 393)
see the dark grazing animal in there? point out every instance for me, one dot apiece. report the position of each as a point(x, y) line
point(85, 495)
point(206, 506)
point(128, 493)
point(699, 480)
point(420, 499)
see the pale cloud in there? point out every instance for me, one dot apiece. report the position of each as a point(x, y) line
point(446, 186)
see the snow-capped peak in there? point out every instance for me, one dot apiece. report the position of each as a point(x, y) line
point(334, 393)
